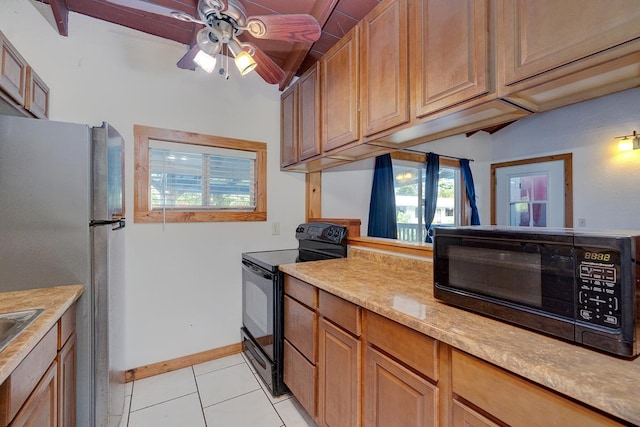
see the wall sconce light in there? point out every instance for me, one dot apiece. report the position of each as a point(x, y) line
point(629, 142)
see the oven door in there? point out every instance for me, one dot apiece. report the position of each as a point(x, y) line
point(258, 293)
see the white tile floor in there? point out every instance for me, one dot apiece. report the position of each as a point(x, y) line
point(223, 392)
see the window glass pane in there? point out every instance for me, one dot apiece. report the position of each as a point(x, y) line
point(408, 189)
point(447, 194)
point(409, 184)
point(200, 180)
point(231, 182)
point(528, 200)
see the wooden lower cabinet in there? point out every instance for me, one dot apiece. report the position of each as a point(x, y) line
point(41, 409)
point(41, 390)
point(373, 371)
point(514, 400)
point(66, 361)
point(395, 395)
point(338, 377)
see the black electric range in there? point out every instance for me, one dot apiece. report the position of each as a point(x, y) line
point(262, 329)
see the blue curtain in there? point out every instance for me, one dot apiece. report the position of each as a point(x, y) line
point(382, 208)
point(431, 191)
point(471, 191)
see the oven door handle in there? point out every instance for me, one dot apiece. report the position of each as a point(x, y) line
point(256, 270)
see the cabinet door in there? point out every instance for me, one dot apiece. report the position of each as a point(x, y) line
point(451, 62)
point(289, 127)
point(67, 384)
point(339, 85)
point(13, 71)
point(384, 71)
point(41, 408)
point(37, 95)
point(541, 35)
point(338, 377)
point(395, 396)
point(309, 114)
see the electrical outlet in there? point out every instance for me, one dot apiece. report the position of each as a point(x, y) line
point(582, 222)
point(275, 228)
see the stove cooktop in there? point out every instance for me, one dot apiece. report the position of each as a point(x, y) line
point(270, 260)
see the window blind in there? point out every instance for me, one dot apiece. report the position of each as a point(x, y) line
point(200, 177)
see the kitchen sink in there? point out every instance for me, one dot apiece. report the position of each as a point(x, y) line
point(11, 324)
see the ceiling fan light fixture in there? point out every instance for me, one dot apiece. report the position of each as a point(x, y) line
point(245, 62)
point(205, 61)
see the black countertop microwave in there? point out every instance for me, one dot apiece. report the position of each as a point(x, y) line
point(582, 286)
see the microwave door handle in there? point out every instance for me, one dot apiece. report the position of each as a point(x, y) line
point(255, 270)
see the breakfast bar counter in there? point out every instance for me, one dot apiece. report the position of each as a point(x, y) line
point(400, 289)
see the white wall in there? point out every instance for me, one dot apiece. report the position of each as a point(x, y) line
point(605, 191)
point(183, 280)
point(605, 181)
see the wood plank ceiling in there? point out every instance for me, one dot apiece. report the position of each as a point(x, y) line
point(336, 17)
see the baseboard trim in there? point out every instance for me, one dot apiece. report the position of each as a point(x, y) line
point(181, 362)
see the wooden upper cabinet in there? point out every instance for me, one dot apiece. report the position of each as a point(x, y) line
point(451, 59)
point(37, 95)
point(339, 69)
point(289, 126)
point(570, 50)
point(309, 114)
point(384, 87)
point(13, 71)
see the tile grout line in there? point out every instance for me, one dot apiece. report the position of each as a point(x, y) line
point(204, 418)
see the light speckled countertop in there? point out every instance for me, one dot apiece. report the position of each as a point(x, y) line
point(55, 301)
point(405, 295)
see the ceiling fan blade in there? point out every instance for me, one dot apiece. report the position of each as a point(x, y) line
point(294, 27)
point(147, 6)
point(267, 69)
point(186, 62)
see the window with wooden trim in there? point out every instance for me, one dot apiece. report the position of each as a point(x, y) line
point(409, 179)
point(190, 177)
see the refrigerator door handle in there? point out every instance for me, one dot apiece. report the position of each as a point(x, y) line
point(97, 222)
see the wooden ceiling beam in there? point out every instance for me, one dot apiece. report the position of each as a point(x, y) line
point(321, 10)
point(60, 11)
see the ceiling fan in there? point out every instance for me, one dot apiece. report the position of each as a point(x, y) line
point(224, 21)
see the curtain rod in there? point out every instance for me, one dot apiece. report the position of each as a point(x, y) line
point(431, 152)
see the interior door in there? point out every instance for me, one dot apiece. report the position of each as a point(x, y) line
point(531, 195)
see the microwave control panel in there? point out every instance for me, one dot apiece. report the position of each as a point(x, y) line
point(598, 282)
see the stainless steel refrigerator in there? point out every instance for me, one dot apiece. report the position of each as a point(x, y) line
point(61, 222)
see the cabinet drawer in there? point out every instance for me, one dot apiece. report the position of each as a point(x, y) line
point(302, 291)
point(22, 381)
point(515, 400)
point(66, 326)
point(300, 376)
point(301, 327)
point(341, 312)
point(463, 416)
point(411, 347)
